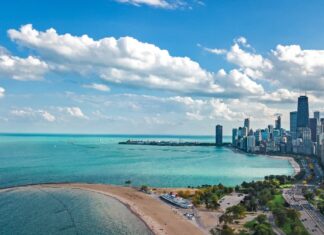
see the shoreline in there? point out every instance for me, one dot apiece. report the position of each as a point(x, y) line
point(294, 164)
point(159, 218)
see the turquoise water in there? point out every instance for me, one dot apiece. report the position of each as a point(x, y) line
point(31, 159)
point(65, 211)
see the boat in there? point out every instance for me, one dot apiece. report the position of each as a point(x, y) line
point(177, 201)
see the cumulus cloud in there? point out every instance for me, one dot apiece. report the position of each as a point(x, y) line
point(246, 59)
point(299, 69)
point(239, 83)
point(33, 114)
point(280, 76)
point(97, 86)
point(74, 112)
point(122, 61)
point(24, 69)
point(47, 116)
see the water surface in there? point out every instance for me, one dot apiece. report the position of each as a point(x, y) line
point(66, 212)
point(30, 159)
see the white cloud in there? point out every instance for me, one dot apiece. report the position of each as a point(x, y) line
point(33, 114)
point(2, 92)
point(281, 95)
point(122, 61)
point(166, 4)
point(75, 112)
point(299, 69)
point(23, 69)
point(47, 116)
point(246, 59)
point(194, 116)
point(155, 3)
point(288, 69)
point(238, 83)
point(97, 86)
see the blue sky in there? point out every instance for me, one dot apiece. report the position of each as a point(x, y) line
point(156, 66)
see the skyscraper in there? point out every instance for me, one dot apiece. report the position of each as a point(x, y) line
point(302, 112)
point(278, 123)
point(317, 115)
point(313, 126)
point(219, 135)
point(234, 136)
point(247, 123)
point(293, 124)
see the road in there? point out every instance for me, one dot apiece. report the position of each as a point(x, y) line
point(311, 218)
point(275, 228)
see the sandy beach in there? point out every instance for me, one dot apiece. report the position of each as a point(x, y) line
point(160, 218)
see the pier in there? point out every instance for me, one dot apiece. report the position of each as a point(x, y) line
point(169, 143)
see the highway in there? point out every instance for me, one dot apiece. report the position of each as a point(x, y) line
point(311, 218)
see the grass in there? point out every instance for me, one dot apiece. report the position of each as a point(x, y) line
point(286, 186)
point(277, 201)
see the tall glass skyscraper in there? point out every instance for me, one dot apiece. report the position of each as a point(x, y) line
point(302, 112)
point(219, 135)
point(293, 124)
point(247, 124)
point(317, 115)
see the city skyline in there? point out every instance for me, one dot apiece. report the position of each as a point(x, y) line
point(81, 67)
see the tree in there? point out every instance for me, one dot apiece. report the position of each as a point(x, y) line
point(214, 202)
point(263, 229)
point(261, 219)
point(144, 188)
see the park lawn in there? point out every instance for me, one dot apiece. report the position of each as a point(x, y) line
point(283, 186)
point(277, 201)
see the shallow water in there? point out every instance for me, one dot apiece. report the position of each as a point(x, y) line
point(30, 159)
point(65, 211)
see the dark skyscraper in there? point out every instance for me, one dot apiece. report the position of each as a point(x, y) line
point(234, 136)
point(247, 124)
point(317, 115)
point(278, 122)
point(293, 124)
point(313, 126)
point(219, 135)
point(302, 112)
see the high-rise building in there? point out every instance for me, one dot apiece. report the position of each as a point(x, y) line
point(247, 123)
point(258, 136)
point(317, 115)
point(245, 131)
point(313, 126)
point(219, 135)
point(234, 136)
point(302, 112)
point(250, 143)
point(278, 123)
point(293, 121)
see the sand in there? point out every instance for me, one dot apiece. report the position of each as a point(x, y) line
point(160, 218)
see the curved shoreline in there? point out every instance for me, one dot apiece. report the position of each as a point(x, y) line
point(296, 167)
point(158, 217)
point(291, 161)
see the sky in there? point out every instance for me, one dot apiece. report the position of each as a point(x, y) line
point(157, 66)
